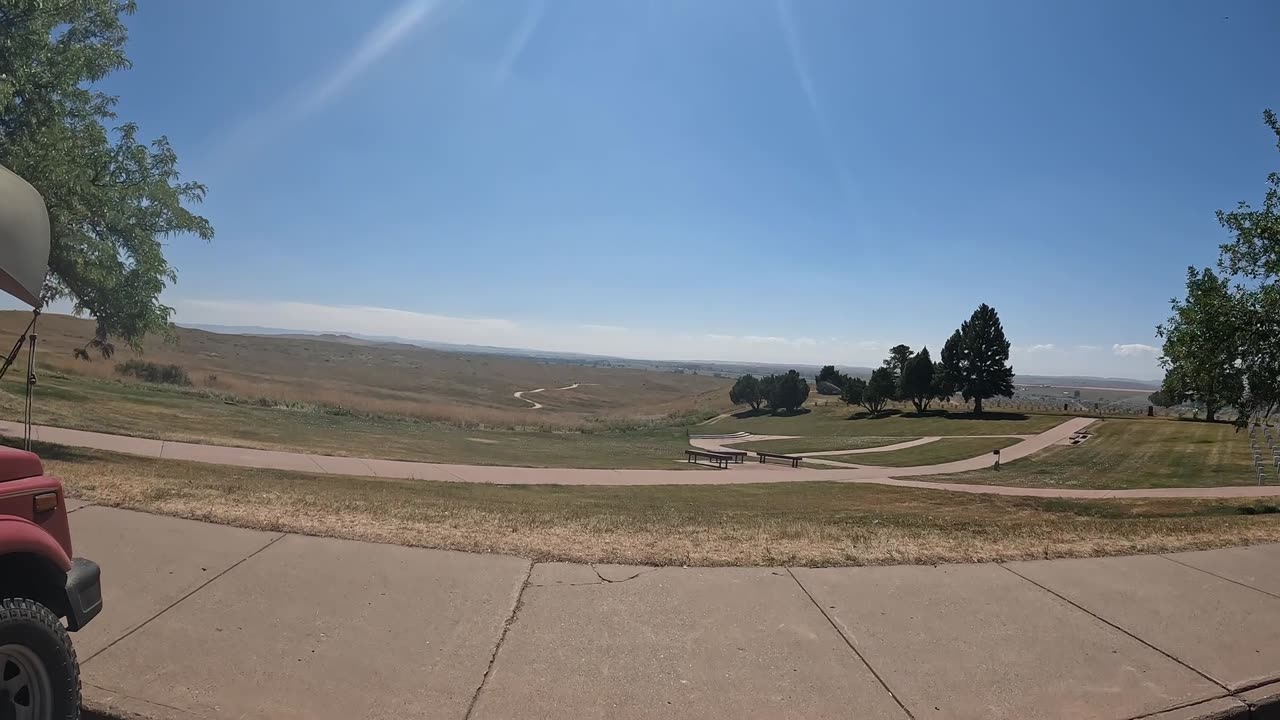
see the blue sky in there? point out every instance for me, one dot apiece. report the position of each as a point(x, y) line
point(797, 181)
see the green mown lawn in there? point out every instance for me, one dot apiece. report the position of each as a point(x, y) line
point(1133, 453)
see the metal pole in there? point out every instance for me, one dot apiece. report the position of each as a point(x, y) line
point(31, 381)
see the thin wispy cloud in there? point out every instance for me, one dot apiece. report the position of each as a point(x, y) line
point(805, 80)
point(1133, 349)
point(600, 339)
point(519, 40)
point(1043, 347)
point(257, 129)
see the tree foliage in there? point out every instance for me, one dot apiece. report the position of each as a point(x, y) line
point(881, 388)
point(828, 373)
point(897, 363)
point(1160, 398)
point(785, 392)
point(746, 391)
point(976, 356)
point(943, 388)
point(1202, 344)
point(1254, 255)
point(917, 383)
point(854, 391)
point(112, 197)
point(871, 394)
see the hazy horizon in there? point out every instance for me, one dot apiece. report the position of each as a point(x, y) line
point(770, 180)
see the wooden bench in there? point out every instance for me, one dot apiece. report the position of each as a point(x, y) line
point(718, 459)
point(793, 459)
point(739, 456)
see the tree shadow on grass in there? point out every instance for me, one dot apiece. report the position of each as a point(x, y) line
point(769, 412)
point(925, 414)
point(50, 451)
point(1215, 421)
point(864, 415)
point(985, 416)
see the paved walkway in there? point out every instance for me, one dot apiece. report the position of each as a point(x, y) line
point(737, 474)
point(217, 622)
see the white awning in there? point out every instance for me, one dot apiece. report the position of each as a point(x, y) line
point(24, 239)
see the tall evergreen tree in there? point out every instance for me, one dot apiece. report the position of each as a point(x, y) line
point(917, 380)
point(897, 363)
point(977, 358)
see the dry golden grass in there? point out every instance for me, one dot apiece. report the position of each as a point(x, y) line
point(783, 524)
point(391, 379)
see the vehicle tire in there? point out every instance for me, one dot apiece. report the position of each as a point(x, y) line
point(39, 673)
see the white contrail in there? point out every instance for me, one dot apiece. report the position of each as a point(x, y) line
point(256, 130)
point(384, 38)
point(519, 40)
point(811, 95)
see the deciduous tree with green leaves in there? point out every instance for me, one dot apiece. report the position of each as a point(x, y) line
point(976, 358)
point(1253, 255)
point(1202, 344)
point(112, 196)
point(917, 383)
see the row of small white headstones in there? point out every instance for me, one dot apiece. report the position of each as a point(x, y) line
point(1258, 466)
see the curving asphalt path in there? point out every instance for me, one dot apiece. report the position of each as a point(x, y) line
point(738, 474)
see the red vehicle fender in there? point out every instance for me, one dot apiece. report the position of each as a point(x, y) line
point(18, 535)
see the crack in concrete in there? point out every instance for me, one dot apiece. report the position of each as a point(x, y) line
point(502, 638)
point(602, 581)
point(607, 581)
point(109, 714)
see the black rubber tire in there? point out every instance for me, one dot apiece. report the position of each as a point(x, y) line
point(30, 624)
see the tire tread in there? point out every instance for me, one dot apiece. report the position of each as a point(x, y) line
point(23, 609)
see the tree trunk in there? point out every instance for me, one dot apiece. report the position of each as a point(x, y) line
point(1209, 412)
point(977, 406)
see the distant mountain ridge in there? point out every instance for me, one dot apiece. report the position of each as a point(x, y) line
point(729, 367)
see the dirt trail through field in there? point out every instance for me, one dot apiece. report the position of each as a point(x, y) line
point(520, 395)
point(533, 405)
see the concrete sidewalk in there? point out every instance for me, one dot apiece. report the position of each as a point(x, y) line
point(210, 621)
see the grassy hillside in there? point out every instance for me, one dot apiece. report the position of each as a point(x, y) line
point(384, 379)
point(1133, 453)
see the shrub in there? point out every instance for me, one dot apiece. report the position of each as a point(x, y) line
point(154, 372)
